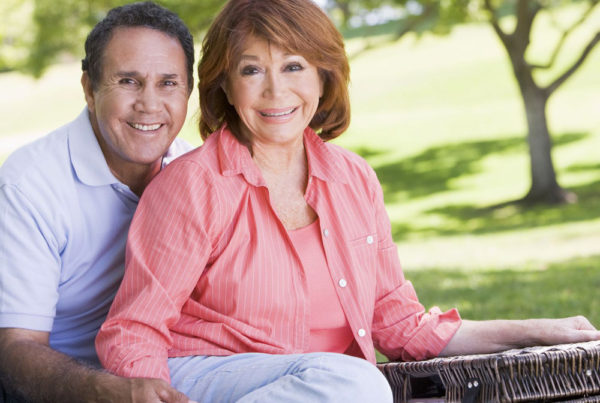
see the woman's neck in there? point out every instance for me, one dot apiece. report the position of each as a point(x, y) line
point(280, 159)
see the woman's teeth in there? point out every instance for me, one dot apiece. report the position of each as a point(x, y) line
point(276, 114)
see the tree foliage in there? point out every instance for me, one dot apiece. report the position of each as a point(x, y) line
point(14, 37)
point(37, 33)
point(513, 22)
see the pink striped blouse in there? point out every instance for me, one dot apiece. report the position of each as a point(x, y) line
point(329, 328)
point(212, 271)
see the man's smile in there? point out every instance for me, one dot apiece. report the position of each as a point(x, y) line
point(145, 127)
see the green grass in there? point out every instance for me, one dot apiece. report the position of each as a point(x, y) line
point(531, 290)
point(441, 122)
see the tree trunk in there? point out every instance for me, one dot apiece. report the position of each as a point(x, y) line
point(544, 186)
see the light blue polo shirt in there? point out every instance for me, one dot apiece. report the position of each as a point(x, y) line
point(64, 219)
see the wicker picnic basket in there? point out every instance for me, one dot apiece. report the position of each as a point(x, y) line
point(567, 372)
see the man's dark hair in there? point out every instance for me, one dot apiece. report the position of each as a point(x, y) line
point(145, 14)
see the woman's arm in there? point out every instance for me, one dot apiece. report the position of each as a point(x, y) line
point(167, 250)
point(489, 336)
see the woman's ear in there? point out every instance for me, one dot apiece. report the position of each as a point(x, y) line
point(322, 78)
point(225, 88)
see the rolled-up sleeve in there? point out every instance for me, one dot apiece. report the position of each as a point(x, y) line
point(402, 328)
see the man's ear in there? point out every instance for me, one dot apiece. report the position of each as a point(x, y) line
point(88, 91)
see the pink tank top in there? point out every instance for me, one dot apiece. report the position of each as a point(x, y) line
point(329, 328)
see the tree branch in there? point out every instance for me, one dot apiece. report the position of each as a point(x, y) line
point(411, 25)
point(504, 37)
point(564, 36)
point(525, 11)
point(413, 22)
point(563, 77)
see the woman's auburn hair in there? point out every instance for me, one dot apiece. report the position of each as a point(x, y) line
point(297, 26)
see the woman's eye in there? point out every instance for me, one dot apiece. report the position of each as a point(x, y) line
point(249, 70)
point(294, 67)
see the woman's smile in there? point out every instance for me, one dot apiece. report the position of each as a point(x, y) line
point(275, 93)
point(276, 113)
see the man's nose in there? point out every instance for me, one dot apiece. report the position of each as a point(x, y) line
point(148, 100)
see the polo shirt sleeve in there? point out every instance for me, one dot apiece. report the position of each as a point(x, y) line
point(29, 264)
point(402, 328)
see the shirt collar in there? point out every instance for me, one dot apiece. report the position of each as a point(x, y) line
point(86, 156)
point(235, 158)
point(323, 162)
point(89, 162)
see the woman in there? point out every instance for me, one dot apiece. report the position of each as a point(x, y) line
point(261, 264)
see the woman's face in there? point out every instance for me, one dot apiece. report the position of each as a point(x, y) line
point(275, 93)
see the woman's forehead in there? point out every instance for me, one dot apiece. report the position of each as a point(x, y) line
point(252, 47)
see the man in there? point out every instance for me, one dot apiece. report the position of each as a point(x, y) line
point(66, 202)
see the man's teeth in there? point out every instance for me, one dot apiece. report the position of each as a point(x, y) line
point(145, 128)
point(279, 113)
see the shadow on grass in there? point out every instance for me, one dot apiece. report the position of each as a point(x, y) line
point(433, 170)
point(561, 289)
point(463, 219)
point(584, 167)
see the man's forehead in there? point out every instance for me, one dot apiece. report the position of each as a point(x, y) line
point(135, 36)
point(135, 49)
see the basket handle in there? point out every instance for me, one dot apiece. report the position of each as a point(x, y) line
point(472, 390)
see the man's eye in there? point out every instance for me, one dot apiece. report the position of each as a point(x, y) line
point(127, 81)
point(249, 70)
point(170, 83)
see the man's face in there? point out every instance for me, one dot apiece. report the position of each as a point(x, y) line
point(140, 101)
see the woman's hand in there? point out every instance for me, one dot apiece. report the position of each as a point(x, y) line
point(566, 330)
point(480, 337)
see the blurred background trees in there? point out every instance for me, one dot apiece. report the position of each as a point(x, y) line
point(512, 21)
point(57, 29)
point(439, 117)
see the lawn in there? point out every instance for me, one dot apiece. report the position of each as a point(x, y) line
point(441, 122)
point(443, 126)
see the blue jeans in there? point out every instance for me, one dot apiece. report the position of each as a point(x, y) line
point(254, 377)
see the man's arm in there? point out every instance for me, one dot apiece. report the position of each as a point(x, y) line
point(31, 369)
point(490, 336)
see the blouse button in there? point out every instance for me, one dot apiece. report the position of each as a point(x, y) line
point(362, 332)
point(326, 232)
point(343, 283)
point(370, 239)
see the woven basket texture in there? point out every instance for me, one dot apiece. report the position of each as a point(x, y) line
point(567, 372)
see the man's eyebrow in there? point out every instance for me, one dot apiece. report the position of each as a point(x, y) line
point(137, 73)
point(128, 73)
